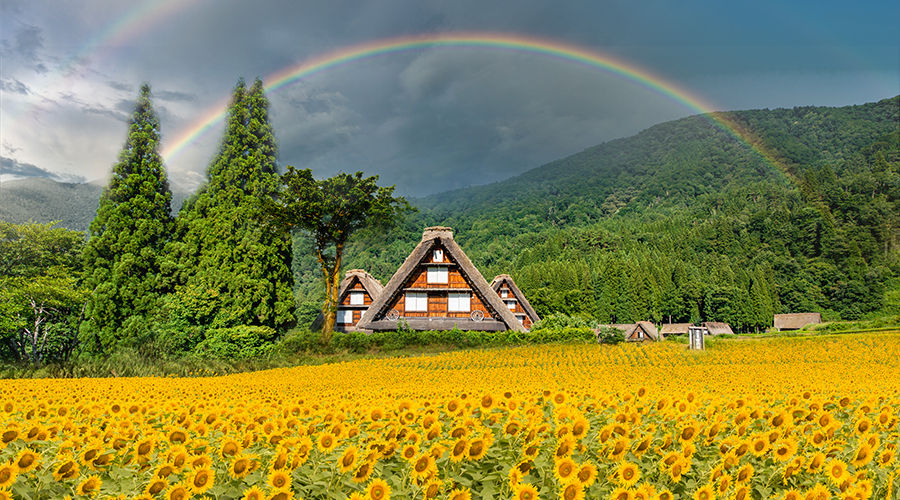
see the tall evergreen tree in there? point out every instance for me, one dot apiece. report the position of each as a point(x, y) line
point(228, 268)
point(133, 222)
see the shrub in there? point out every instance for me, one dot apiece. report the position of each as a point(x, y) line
point(239, 342)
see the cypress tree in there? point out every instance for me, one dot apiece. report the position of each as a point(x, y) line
point(229, 268)
point(133, 222)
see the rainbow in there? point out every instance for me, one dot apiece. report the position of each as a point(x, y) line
point(510, 42)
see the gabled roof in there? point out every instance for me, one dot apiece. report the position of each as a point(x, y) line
point(498, 282)
point(374, 318)
point(717, 327)
point(371, 285)
point(796, 321)
point(630, 328)
point(674, 329)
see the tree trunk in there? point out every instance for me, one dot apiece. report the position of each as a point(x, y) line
point(332, 289)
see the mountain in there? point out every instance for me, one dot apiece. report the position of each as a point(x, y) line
point(44, 200)
point(684, 222)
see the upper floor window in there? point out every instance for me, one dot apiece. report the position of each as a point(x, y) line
point(437, 255)
point(356, 298)
point(511, 304)
point(437, 274)
point(504, 293)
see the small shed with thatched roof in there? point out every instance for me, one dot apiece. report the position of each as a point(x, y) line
point(674, 329)
point(796, 321)
point(356, 293)
point(642, 331)
point(717, 328)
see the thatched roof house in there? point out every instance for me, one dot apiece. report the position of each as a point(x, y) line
point(438, 288)
point(515, 300)
point(717, 328)
point(674, 329)
point(356, 293)
point(641, 331)
point(796, 321)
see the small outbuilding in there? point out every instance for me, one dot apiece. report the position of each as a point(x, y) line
point(717, 328)
point(356, 293)
point(796, 321)
point(674, 329)
point(642, 331)
point(515, 300)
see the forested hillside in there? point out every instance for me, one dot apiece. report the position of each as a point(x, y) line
point(683, 222)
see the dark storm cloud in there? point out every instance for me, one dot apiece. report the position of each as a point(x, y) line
point(174, 96)
point(15, 168)
point(121, 86)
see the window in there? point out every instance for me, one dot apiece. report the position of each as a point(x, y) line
point(438, 255)
point(416, 301)
point(459, 302)
point(344, 317)
point(511, 304)
point(640, 334)
point(521, 318)
point(437, 274)
point(504, 293)
point(356, 298)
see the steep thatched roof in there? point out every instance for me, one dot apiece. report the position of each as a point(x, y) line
point(674, 329)
point(498, 282)
point(371, 285)
point(502, 317)
point(796, 321)
point(717, 328)
point(630, 330)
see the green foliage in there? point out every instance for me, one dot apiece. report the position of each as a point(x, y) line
point(330, 211)
point(133, 224)
point(225, 266)
point(40, 295)
point(610, 335)
point(239, 342)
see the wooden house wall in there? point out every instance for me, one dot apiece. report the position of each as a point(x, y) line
point(358, 310)
point(437, 300)
point(519, 310)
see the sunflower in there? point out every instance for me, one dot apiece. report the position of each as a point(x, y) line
point(432, 489)
point(8, 473)
point(759, 444)
point(886, 458)
point(409, 452)
point(665, 495)
point(27, 459)
point(863, 425)
point(348, 460)
point(156, 486)
point(572, 491)
point(279, 480)
point(586, 474)
point(705, 492)
point(744, 474)
point(863, 455)
point(242, 465)
point(525, 491)
point(89, 487)
point(688, 432)
point(580, 427)
point(818, 492)
point(621, 493)
point(67, 469)
point(676, 470)
point(565, 470)
point(627, 474)
point(792, 494)
point(619, 448)
point(423, 467)
point(201, 480)
point(327, 442)
point(742, 492)
point(178, 492)
point(642, 446)
point(460, 494)
point(836, 470)
point(378, 490)
point(477, 448)
point(784, 449)
point(229, 448)
point(254, 493)
point(164, 471)
point(362, 473)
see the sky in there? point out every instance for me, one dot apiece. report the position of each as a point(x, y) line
point(428, 119)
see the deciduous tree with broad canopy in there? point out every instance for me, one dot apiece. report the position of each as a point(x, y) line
point(330, 211)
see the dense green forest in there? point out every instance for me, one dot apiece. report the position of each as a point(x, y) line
point(682, 222)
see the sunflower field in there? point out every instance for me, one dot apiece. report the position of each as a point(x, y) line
point(784, 418)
